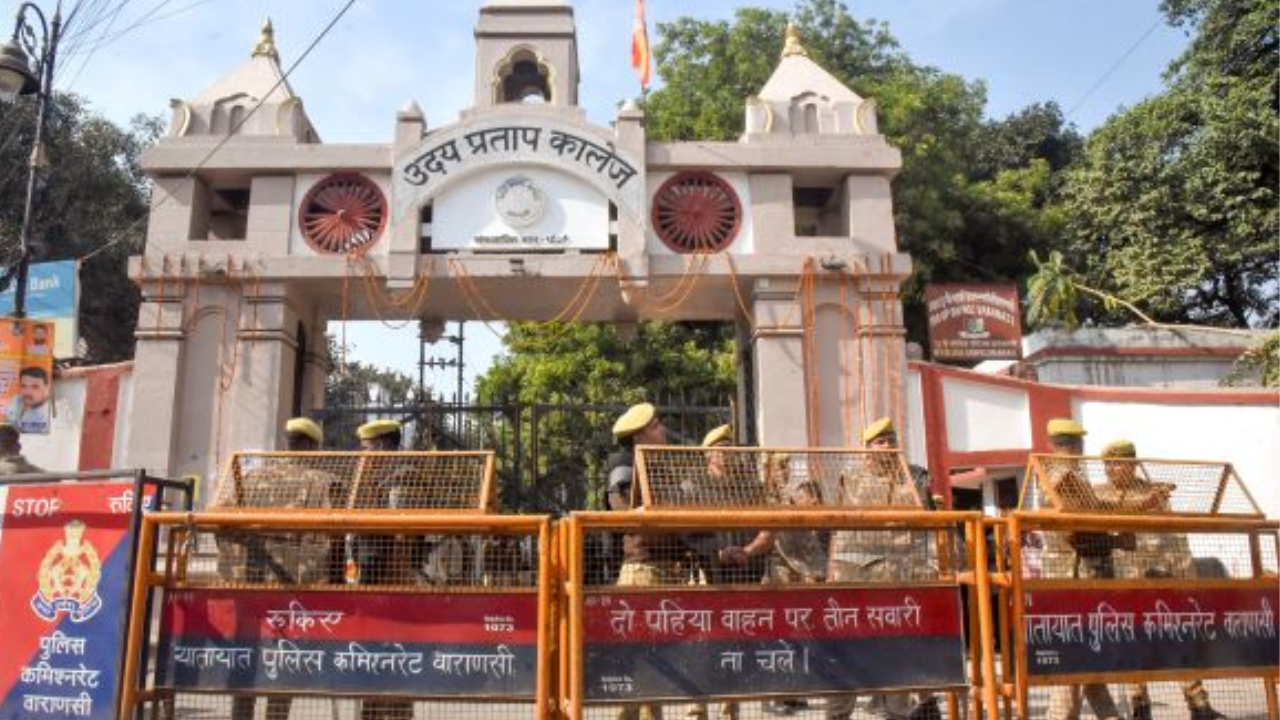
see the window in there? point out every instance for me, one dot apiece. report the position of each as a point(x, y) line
point(524, 78)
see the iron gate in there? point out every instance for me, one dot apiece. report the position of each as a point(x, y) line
point(550, 457)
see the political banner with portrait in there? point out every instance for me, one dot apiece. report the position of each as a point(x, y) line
point(26, 374)
point(53, 295)
point(65, 549)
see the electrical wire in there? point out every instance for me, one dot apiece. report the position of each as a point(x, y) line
point(1114, 67)
point(232, 132)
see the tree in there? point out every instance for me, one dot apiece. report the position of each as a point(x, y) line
point(589, 370)
point(92, 194)
point(1174, 204)
point(972, 197)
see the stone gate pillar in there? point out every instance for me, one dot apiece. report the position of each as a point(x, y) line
point(159, 354)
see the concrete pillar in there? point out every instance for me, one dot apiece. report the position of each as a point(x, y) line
point(157, 364)
point(869, 209)
point(260, 383)
point(271, 214)
point(778, 352)
point(882, 349)
point(406, 235)
point(629, 136)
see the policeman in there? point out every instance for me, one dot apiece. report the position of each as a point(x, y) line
point(646, 559)
point(379, 559)
point(878, 555)
point(11, 460)
point(881, 435)
point(286, 558)
point(1155, 555)
point(1087, 554)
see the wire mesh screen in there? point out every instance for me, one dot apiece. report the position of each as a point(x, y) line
point(358, 480)
point(736, 621)
point(1147, 616)
point(1135, 554)
point(725, 477)
point(1129, 485)
point(1197, 699)
point(261, 622)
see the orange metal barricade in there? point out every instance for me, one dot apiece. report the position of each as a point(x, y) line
point(1144, 588)
point(729, 625)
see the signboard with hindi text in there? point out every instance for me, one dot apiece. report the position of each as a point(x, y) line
point(679, 643)
point(53, 295)
point(425, 645)
point(66, 552)
point(974, 322)
point(1096, 630)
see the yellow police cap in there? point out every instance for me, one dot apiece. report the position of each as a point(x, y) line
point(305, 426)
point(377, 428)
point(1120, 449)
point(723, 433)
point(635, 419)
point(1065, 426)
point(877, 428)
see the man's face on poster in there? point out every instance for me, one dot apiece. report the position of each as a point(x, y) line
point(35, 391)
point(39, 335)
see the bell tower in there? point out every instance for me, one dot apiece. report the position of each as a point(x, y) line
point(526, 52)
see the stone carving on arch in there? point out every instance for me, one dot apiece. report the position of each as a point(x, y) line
point(503, 69)
point(453, 154)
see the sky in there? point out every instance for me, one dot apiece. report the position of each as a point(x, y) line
point(1093, 57)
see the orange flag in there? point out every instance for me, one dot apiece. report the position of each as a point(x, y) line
point(640, 59)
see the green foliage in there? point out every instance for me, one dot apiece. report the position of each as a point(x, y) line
point(1051, 294)
point(1174, 204)
point(91, 193)
point(586, 371)
point(972, 197)
point(590, 363)
point(1259, 365)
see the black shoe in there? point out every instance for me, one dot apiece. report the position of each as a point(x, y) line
point(1206, 712)
point(927, 710)
point(1141, 711)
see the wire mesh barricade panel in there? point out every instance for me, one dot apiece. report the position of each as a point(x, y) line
point(1148, 617)
point(444, 621)
point(1135, 486)
point(762, 613)
point(358, 480)
point(672, 478)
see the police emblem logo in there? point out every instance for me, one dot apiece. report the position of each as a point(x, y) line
point(69, 576)
point(519, 202)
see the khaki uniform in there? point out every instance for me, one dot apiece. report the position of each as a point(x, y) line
point(285, 558)
point(1157, 555)
point(880, 556)
point(1062, 560)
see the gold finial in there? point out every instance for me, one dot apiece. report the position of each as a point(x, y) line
point(266, 46)
point(793, 46)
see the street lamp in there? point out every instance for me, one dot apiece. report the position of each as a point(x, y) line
point(19, 77)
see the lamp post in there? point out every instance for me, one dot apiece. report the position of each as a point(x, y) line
point(19, 77)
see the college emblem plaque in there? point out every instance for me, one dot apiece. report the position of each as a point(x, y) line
point(69, 576)
point(519, 202)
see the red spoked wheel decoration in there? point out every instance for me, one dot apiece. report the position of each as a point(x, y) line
point(343, 214)
point(696, 212)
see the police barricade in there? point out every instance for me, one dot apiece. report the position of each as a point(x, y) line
point(67, 548)
point(1140, 588)
point(803, 582)
point(413, 601)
